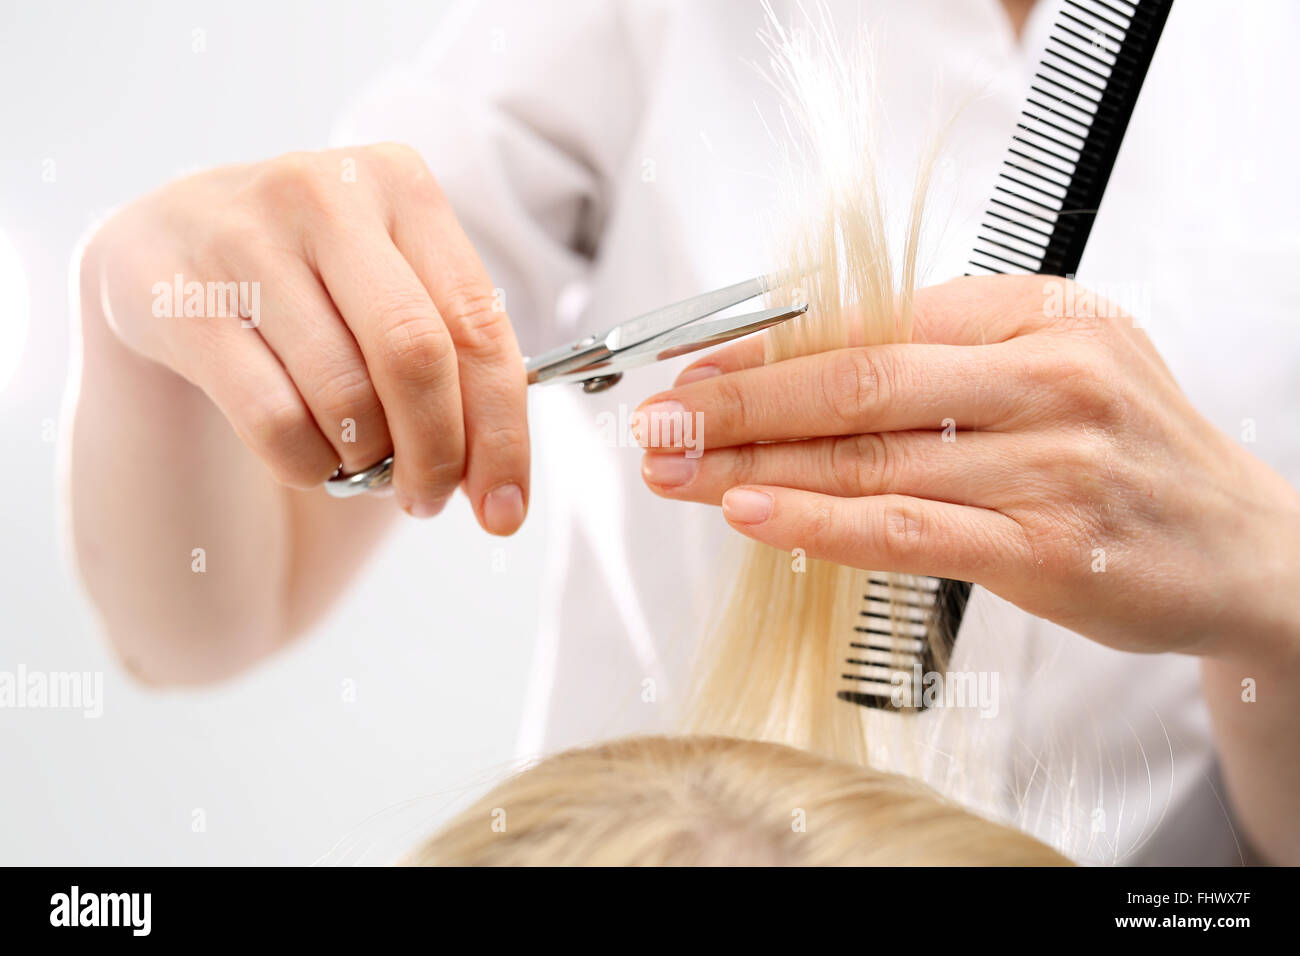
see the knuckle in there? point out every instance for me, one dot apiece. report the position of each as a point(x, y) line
point(283, 435)
point(878, 462)
point(413, 347)
point(228, 236)
point(1065, 372)
point(481, 325)
point(424, 188)
point(820, 526)
point(1048, 368)
point(277, 427)
point(851, 382)
point(1086, 455)
point(296, 179)
point(348, 392)
point(396, 155)
point(1083, 310)
point(859, 463)
point(1107, 404)
point(404, 170)
point(744, 465)
point(496, 438)
point(1086, 392)
point(902, 531)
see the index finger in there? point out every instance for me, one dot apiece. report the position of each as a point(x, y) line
point(490, 366)
point(747, 353)
point(970, 310)
point(849, 391)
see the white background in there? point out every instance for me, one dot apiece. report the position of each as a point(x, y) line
point(281, 767)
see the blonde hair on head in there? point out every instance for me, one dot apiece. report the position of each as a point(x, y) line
point(709, 801)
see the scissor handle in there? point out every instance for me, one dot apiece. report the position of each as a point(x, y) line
point(597, 361)
point(341, 485)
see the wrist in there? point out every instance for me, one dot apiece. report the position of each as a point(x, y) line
point(1263, 626)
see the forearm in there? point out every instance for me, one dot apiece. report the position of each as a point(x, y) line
point(179, 533)
point(1255, 727)
point(198, 561)
point(1253, 693)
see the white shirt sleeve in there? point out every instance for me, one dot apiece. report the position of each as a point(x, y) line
point(524, 116)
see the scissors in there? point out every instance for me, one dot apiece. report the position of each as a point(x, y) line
point(597, 362)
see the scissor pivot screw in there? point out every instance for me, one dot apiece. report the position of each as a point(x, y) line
point(601, 382)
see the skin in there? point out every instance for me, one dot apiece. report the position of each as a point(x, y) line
point(1071, 440)
point(377, 323)
point(193, 434)
point(1018, 13)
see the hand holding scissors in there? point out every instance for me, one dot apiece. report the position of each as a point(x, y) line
point(597, 362)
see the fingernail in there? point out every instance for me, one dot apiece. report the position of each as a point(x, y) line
point(503, 509)
point(428, 509)
point(669, 470)
point(659, 425)
point(697, 373)
point(746, 507)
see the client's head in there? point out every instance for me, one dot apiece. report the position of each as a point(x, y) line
point(719, 801)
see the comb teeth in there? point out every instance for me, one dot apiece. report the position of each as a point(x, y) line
point(891, 640)
point(1067, 137)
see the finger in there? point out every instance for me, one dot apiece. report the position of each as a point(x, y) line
point(843, 392)
point(304, 330)
point(747, 353)
point(752, 351)
point(884, 533)
point(970, 310)
point(491, 368)
point(238, 372)
point(983, 310)
point(410, 356)
point(977, 470)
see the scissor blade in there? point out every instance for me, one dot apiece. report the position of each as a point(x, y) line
point(656, 323)
point(585, 357)
point(557, 364)
point(702, 335)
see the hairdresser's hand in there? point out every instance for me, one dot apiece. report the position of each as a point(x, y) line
point(369, 324)
point(1050, 458)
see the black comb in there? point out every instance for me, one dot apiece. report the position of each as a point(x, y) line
point(1068, 135)
point(1037, 222)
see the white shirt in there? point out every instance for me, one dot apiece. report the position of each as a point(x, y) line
point(609, 157)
